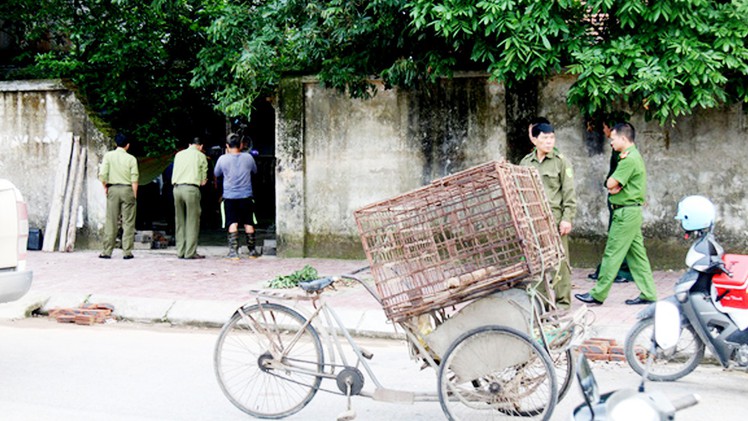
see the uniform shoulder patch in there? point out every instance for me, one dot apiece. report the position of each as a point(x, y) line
point(569, 172)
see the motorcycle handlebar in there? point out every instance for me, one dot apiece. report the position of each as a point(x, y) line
point(686, 401)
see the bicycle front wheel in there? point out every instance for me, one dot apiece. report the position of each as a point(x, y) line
point(563, 365)
point(495, 373)
point(265, 359)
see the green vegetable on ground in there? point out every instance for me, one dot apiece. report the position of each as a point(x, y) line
point(307, 273)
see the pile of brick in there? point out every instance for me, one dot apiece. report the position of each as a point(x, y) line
point(85, 314)
point(602, 349)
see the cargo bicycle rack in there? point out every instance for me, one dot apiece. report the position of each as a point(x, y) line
point(456, 265)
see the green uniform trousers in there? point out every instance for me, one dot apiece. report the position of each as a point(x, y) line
point(120, 201)
point(625, 241)
point(187, 219)
point(561, 282)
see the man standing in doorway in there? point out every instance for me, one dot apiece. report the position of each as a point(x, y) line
point(189, 174)
point(236, 168)
point(627, 187)
point(119, 174)
point(557, 176)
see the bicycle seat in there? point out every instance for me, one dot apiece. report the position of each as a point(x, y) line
point(316, 285)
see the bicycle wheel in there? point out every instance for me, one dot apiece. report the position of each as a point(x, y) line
point(665, 368)
point(259, 359)
point(494, 373)
point(563, 365)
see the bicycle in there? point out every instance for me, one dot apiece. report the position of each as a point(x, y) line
point(270, 360)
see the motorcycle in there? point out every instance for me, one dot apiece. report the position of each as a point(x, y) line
point(711, 301)
point(630, 404)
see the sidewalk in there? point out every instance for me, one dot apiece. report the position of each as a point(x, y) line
point(157, 287)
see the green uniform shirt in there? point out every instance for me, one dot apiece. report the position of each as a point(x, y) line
point(632, 176)
point(190, 167)
point(558, 181)
point(119, 167)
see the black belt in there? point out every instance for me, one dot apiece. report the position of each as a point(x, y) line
point(614, 207)
point(186, 184)
point(111, 185)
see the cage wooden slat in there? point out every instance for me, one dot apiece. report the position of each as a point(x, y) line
point(458, 238)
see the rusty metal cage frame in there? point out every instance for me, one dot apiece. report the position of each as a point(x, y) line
point(463, 236)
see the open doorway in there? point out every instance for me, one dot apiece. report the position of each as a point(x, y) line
point(260, 131)
point(156, 200)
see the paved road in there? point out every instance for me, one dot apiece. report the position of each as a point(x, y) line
point(128, 372)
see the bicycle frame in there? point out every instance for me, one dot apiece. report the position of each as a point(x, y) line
point(331, 327)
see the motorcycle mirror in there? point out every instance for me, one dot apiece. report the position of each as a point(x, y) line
point(667, 325)
point(587, 382)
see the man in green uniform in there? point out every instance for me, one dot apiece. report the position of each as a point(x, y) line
point(558, 182)
point(190, 172)
point(119, 174)
point(627, 187)
point(624, 274)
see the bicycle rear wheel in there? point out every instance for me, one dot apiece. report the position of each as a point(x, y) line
point(495, 373)
point(265, 359)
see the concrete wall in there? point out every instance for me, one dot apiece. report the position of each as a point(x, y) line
point(34, 118)
point(337, 154)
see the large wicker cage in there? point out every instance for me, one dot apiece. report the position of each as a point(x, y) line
point(463, 236)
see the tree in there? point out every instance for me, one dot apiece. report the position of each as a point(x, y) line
point(665, 57)
point(252, 44)
point(150, 68)
point(668, 58)
point(131, 60)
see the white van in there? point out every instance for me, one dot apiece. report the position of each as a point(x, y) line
point(15, 279)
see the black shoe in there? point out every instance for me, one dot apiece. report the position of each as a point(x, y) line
point(592, 276)
point(128, 257)
point(587, 298)
point(194, 257)
point(620, 280)
point(637, 301)
point(104, 256)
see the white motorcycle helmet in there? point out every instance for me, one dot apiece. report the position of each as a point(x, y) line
point(696, 213)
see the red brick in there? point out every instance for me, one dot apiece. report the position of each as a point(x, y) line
point(598, 357)
point(617, 350)
point(610, 342)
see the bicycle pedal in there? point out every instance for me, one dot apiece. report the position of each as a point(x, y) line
point(367, 354)
point(347, 415)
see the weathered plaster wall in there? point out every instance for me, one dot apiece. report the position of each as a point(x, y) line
point(347, 153)
point(701, 154)
point(34, 118)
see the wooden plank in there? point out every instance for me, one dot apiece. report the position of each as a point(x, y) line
point(53, 219)
point(79, 178)
point(69, 193)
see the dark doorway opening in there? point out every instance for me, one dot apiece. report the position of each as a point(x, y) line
point(156, 200)
point(521, 108)
point(260, 130)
